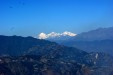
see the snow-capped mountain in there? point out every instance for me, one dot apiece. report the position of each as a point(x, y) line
point(54, 35)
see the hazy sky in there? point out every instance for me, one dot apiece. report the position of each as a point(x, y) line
point(31, 17)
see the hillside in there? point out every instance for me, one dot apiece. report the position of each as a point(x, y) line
point(30, 56)
point(17, 45)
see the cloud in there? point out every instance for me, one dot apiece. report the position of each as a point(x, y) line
point(54, 34)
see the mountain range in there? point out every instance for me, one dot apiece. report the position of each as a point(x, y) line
point(98, 40)
point(31, 56)
point(56, 36)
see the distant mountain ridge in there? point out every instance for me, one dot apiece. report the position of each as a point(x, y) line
point(99, 40)
point(98, 34)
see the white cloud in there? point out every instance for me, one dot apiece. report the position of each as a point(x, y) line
point(54, 34)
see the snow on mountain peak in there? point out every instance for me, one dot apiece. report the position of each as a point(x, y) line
point(68, 33)
point(42, 36)
point(54, 34)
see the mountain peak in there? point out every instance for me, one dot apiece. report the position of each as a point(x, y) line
point(54, 34)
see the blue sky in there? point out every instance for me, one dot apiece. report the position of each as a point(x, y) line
point(31, 17)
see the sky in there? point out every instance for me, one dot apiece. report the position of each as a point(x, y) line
point(31, 17)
